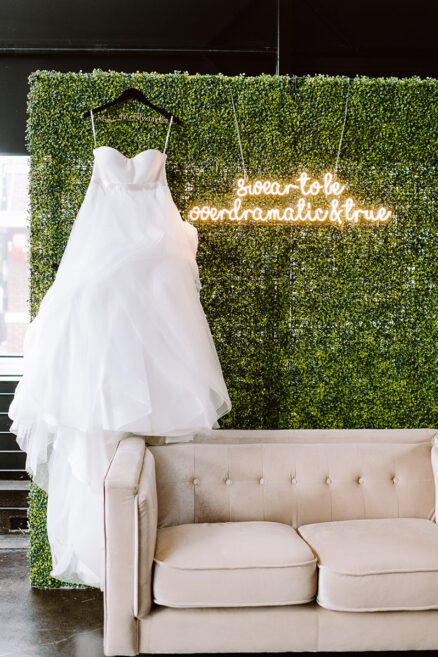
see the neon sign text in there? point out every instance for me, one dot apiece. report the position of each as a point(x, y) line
point(306, 189)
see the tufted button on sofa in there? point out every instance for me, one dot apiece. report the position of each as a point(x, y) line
point(272, 541)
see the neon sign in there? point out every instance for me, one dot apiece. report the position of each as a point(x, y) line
point(303, 210)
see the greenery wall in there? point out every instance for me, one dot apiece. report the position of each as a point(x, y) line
point(315, 326)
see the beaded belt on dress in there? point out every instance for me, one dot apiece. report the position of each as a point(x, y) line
point(108, 184)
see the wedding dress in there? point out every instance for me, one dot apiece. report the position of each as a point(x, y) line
point(120, 345)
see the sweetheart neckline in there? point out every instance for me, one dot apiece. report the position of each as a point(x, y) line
point(148, 150)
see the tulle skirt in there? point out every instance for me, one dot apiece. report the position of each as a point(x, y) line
point(120, 346)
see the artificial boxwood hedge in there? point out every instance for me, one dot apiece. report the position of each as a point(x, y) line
point(315, 326)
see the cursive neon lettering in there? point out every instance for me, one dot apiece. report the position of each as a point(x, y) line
point(306, 190)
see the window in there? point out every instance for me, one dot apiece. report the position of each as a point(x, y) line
point(14, 267)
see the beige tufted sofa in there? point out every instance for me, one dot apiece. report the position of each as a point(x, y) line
point(272, 541)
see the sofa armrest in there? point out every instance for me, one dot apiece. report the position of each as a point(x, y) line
point(130, 513)
point(434, 456)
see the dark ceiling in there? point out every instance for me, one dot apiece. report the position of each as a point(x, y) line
point(349, 37)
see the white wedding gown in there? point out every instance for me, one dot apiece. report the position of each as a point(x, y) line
point(120, 345)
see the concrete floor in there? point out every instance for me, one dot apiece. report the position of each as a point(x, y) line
point(56, 623)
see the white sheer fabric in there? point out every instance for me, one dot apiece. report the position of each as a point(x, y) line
point(120, 345)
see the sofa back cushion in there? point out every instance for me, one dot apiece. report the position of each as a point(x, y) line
point(295, 477)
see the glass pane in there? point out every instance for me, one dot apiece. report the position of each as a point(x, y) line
point(14, 266)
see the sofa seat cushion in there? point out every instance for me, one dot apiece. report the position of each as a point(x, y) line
point(232, 564)
point(376, 565)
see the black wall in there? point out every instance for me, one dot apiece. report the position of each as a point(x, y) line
point(370, 37)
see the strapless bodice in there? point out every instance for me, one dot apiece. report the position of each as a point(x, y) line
point(112, 167)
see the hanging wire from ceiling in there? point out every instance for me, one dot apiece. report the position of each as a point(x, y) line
point(343, 125)
point(238, 135)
